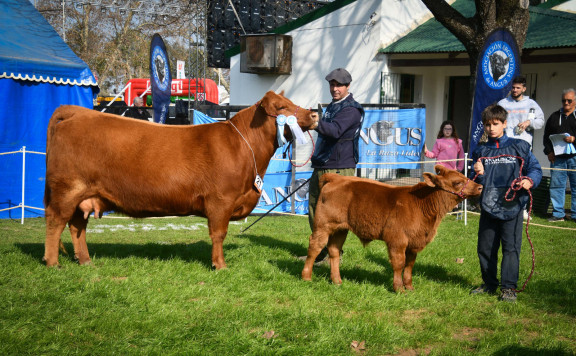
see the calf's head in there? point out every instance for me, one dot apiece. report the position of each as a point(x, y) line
point(452, 181)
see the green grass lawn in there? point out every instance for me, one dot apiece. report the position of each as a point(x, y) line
point(152, 291)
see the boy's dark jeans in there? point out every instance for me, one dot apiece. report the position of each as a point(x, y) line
point(491, 234)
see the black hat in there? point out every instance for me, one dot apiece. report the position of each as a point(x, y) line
point(340, 75)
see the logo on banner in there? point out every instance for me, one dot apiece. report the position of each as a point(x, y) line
point(160, 68)
point(160, 78)
point(498, 65)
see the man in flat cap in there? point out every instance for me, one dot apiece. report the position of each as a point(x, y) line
point(338, 134)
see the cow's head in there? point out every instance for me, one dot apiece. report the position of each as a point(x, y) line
point(277, 104)
point(452, 181)
point(498, 65)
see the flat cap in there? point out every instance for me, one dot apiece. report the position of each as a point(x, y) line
point(340, 75)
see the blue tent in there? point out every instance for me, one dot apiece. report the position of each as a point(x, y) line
point(38, 73)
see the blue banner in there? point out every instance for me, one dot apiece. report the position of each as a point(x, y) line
point(160, 78)
point(277, 187)
point(499, 63)
point(200, 118)
point(392, 136)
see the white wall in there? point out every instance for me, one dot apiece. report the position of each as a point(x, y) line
point(568, 6)
point(346, 38)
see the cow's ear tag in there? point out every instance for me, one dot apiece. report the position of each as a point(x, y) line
point(258, 183)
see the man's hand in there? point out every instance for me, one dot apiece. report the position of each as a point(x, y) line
point(569, 139)
point(315, 117)
point(479, 168)
point(551, 157)
point(524, 125)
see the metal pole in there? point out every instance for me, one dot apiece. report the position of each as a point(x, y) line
point(23, 181)
point(293, 177)
point(466, 200)
point(63, 21)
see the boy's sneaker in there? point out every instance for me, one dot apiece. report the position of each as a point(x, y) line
point(508, 295)
point(483, 289)
point(555, 219)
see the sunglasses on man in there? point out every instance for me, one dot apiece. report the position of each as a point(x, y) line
point(569, 101)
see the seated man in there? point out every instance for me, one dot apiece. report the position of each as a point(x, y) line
point(138, 111)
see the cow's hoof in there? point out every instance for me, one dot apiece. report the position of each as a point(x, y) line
point(50, 264)
point(219, 267)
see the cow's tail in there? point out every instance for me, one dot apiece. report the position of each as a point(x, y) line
point(60, 114)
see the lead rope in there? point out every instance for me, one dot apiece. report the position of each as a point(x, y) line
point(250, 147)
point(309, 158)
point(515, 186)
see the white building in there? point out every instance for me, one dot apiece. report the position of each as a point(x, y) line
point(396, 51)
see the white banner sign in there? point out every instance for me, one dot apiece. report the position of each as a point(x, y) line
point(180, 70)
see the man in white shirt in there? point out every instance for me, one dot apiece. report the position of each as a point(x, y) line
point(524, 114)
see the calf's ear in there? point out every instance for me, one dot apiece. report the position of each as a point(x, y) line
point(430, 179)
point(440, 169)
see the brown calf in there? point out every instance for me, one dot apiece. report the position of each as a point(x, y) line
point(406, 218)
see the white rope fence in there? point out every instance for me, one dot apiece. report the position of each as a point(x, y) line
point(459, 215)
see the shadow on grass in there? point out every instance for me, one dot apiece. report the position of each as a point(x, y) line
point(199, 251)
point(293, 248)
point(553, 295)
point(354, 273)
point(527, 351)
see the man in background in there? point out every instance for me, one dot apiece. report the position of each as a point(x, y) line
point(563, 165)
point(524, 114)
point(138, 111)
point(338, 134)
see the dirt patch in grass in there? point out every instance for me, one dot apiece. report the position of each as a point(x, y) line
point(469, 334)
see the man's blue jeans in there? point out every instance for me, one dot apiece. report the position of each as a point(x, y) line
point(558, 186)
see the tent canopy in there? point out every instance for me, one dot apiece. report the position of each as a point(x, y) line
point(38, 73)
point(30, 49)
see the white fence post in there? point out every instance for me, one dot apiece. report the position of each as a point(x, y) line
point(23, 181)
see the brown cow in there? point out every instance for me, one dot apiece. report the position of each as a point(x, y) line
point(406, 218)
point(97, 162)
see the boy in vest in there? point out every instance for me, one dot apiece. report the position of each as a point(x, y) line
point(501, 220)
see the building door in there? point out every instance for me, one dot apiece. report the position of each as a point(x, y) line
point(460, 107)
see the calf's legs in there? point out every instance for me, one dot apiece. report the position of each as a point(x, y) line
point(409, 264)
point(318, 240)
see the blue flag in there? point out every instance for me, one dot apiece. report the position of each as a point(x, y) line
point(160, 78)
point(499, 63)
